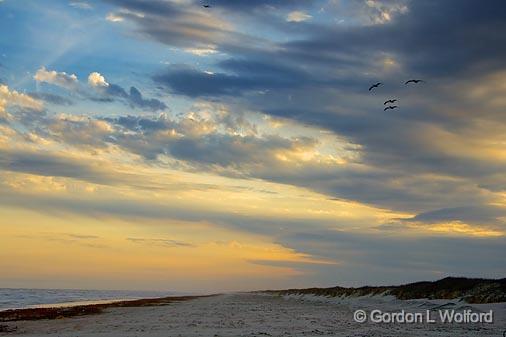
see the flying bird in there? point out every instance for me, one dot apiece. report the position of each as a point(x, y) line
point(414, 81)
point(375, 86)
point(390, 101)
point(390, 107)
point(206, 6)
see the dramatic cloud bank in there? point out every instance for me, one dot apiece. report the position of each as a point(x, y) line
point(246, 133)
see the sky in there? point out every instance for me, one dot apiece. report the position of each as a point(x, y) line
point(161, 145)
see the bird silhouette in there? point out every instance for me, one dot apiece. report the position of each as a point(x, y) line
point(206, 6)
point(414, 81)
point(375, 86)
point(390, 107)
point(390, 101)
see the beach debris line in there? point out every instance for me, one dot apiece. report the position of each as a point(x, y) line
point(6, 328)
point(89, 309)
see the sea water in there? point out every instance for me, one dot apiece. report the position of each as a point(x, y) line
point(36, 298)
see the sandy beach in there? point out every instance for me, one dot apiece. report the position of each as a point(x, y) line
point(249, 314)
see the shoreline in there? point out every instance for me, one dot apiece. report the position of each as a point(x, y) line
point(57, 311)
point(75, 303)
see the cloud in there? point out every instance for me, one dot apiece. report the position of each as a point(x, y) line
point(367, 42)
point(200, 142)
point(51, 98)
point(186, 25)
point(79, 131)
point(378, 259)
point(228, 144)
point(82, 236)
point(431, 172)
point(97, 80)
point(381, 12)
point(54, 165)
point(476, 214)
point(412, 160)
point(13, 98)
point(401, 161)
point(114, 17)
point(61, 79)
point(243, 76)
point(134, 98)
point(160, 242)
point(107, 91)
point(298, 16)
point(81, 5)
point(248, 6)
point(83, 240)
point(194, 83)
point(202, 51)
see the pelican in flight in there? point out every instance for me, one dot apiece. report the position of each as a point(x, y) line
point(206, 6)
point(390, 101)
point(414, 81)
point(390, 107)
point(375, 86)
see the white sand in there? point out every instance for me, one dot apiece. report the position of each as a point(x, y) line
point(257, 315)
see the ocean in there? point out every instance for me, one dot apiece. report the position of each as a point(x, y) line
point(30, 298)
